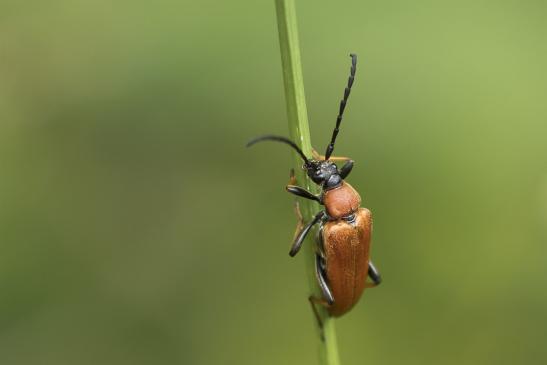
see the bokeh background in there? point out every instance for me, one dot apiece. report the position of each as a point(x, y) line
point(135, 228)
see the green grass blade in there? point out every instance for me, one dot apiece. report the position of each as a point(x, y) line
point(300, 133)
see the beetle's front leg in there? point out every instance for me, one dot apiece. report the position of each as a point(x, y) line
point(298, 191)
point(374, 275)
point(346, 169)
point(319, 157)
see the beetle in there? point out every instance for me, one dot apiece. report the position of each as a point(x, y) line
point(342, 254)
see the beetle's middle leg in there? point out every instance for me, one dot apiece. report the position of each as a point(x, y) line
point(301, 236)
point(299, 218)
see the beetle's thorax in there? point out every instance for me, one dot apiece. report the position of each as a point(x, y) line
point(342, 201)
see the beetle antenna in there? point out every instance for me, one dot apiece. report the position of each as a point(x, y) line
point(330, 147)
point(270, 137)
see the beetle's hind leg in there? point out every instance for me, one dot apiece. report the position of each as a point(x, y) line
point(326, 299)
point(320, 275)
point(313, 302)
point(374, 275)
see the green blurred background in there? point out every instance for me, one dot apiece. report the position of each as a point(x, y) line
point(135, 228)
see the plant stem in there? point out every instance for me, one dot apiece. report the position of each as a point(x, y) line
point(300, 133)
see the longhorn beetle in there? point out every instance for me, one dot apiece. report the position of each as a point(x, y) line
point(342, 258)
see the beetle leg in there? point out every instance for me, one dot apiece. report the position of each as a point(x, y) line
point(320, 275)
point(374, 275)
point(313, 301)
point(316, 155)
point(297, 190)
point(292, 178)
point(299, 218)
point(319, 157)
point(304, 232)
point(320, 247)
point(327, 299)
point(346, 169)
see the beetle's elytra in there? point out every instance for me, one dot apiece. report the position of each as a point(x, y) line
point(342, 259)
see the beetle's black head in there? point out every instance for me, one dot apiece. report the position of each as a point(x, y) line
point(324, 173)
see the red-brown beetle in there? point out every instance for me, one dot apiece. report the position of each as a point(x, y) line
point(342, 259)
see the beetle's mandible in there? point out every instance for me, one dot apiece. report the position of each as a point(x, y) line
point(342, 258)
